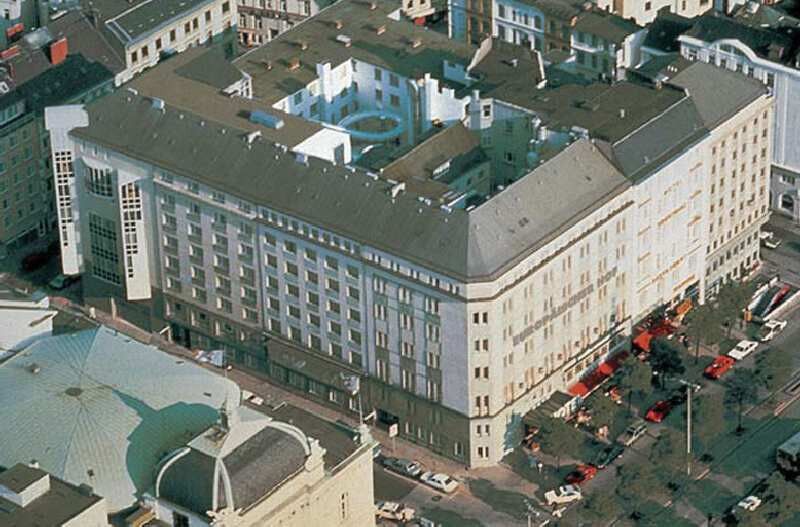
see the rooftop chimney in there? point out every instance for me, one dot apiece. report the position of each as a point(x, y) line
point(339, 24)
point(58, 51)
point(417, 42)
point(622, 113)
point(373, 6)
point(294, 63)
point(380, 30)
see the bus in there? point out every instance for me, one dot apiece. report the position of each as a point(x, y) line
point(788, 456)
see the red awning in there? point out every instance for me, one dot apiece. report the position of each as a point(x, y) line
point(598, 375)
point(642, 340)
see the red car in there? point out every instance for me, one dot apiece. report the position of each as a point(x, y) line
point(718, 367)
point(658, 412)
point(581, 474)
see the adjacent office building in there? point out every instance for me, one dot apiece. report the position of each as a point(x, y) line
point(600, 44)
point(262, 20)
point(289, 209)
point(761, 42)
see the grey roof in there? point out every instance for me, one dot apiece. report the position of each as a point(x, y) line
point(392, 49)
point(255, 468)
point(98, 408)
point(718, 93)
point(210, 68)
point(505, 69)
point(605, 25)
point(339, 441)
point(454, 143)
point(20, 476)
point(467, 245)
point(149, 15)
point(779, 45)
point(663, 32)
point(180, 83)
point(62, 503)
point(59, 84)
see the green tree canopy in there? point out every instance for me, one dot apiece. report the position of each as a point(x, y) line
point(732, 299)
point(704, 326)
point(601, 506)
point(637, 483)
point(557, 438)
point(635, 378)
point(741, 388)
point(665, 359)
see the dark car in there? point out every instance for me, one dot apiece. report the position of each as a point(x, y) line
point(406, 467)
point(581, 474)
point(608, 455)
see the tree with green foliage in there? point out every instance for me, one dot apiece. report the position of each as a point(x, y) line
point(637, 483)
point(604, 410)
point(665, 359)
point(779, 509)
point(600, 506)
point(732, 299)
point(741, 388)
point(557, 438)
point(773, 368)
point(635, 379)
point(704, 327)
point(708, 418)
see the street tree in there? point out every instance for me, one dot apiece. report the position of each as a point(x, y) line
point(704, 327)
point(773, 368)
point(741, 388)
point(732, 299)
point(665, 359)
point(557, 438)
point(603, 410)
point(635, 379)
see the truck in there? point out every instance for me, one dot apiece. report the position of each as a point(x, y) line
point(788, 456)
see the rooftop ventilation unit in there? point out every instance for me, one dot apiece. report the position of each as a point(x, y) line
point(264, 119)
point(252, 136)
point(344, 39)
point(158, 104)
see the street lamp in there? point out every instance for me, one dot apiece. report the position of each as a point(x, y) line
point(690, 387)
point(530, 510)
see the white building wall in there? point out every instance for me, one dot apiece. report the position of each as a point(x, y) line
point(785, 86)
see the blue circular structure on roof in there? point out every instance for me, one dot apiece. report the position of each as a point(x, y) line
point(375, 137)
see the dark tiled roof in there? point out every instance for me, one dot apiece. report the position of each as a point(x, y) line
point(61, 504)
point(663, 32)
point(607, 26)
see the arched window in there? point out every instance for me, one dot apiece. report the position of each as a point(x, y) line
point(787, 202)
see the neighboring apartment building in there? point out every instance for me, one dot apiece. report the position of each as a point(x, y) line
point(761, 42)
point(469, 20)
point(141, 32)
point(644, 11)
point(262, 20)
point(250, 469)
point(246, 223)
point(31, 496)
point(47, 67)
point(603, 45)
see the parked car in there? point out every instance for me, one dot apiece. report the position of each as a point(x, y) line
point(581, 474)
point(608, 455)
point(405, 467)
point(391, 510)
point(633, 433)
point(35, 260)
point(658, 412)
point(770, 329)
point(750, 503)
point(769, 240)
point(63, 281)
point(743, 349)
point(562, 495)
point(439, 481)
point(718, 367)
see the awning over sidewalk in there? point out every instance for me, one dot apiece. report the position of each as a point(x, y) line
point(642, 340)
point(598, 375)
